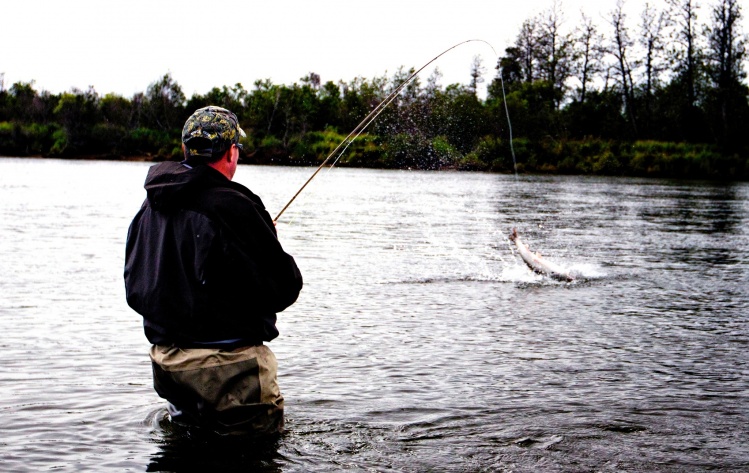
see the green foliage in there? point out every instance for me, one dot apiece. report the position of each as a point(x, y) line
point(33, 139)
point(117, 111)
point(108, 138)
point(410, 151)
point(230, 98)
point(445, 155)
point(650, 158)
point(490, 154)
point(163, 107)
point(60, 142)
point(662, 133)
point(269, 149)
point(9, 140)
point(77, 112)
point(156, 144)
point(315, 146)
point(37, 136)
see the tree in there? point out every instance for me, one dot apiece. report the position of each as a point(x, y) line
point(686, 49)
point(113, 132)
point(463, 120)
point(588, 55)
point(230, 98)
point(651, 38)
point(726, 50)
point(600, 116)
point(526, 48)
point(509, 70)
point(20, 101)
point(405, 113)
point(726, 44)
point(360, 96)
point(262, 105)
point(477, 72)
point(330, 105)
point(313, 79)
point(687, 84)
point(652, 26)
point(621, 44)
point(433, 83)
point(554, 52)
point(679, 105)
point(410, 93)
point(78, 113)
point(303, 106)
point(165, 104)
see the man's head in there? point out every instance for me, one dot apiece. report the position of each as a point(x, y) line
point(209, 133)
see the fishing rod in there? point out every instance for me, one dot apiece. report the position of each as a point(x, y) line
point(368, 120)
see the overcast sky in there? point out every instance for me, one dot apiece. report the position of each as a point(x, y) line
point(122, 46)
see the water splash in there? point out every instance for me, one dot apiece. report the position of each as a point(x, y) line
point(343, 145)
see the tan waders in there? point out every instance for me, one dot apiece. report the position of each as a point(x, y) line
point(231, 392)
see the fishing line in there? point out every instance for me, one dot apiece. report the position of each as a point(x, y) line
point(509, 123)
point(335, 161)
point(343, 145)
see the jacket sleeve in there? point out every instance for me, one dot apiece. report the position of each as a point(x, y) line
point(256, 262)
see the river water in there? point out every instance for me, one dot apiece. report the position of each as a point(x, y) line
point(420, 342)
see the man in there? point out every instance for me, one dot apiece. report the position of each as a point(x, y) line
point(204, 268)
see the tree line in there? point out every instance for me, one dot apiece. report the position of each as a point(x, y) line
point(663, 94)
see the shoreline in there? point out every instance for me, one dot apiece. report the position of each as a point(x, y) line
point(545, 171)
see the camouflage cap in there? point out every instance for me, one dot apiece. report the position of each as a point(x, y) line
point(210, 130)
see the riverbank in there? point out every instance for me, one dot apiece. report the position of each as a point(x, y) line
point(568, 157)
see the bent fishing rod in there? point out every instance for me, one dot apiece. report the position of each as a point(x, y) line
point(344, 144)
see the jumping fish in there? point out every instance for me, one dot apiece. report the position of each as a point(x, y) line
point(538, 264)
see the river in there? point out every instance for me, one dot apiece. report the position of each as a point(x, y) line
point(420, 341)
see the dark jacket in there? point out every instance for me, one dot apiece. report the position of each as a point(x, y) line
point(202, 261)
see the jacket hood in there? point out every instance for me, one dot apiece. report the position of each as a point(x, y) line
point(171, 184)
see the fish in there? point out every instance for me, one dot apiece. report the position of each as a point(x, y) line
point(537, 263)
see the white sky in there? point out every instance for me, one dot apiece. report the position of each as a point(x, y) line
point(122, 46)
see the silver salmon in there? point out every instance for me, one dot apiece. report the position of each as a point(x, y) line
point(537, 263)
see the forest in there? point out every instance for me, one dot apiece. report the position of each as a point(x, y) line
point(663, 95)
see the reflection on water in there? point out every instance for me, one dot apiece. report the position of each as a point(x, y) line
point(182, 449)
point(688, 209)
point(420, 341)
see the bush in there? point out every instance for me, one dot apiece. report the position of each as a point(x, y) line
point(26, 139)
point(60, 142)
point(108, 138)
point(146, 141)
point(607, 163)
point(315, 146)
point(365, 151)
point(404, 150)
point(9, 133)
point(443, 154)
point(488, 153)
point(654, 158)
